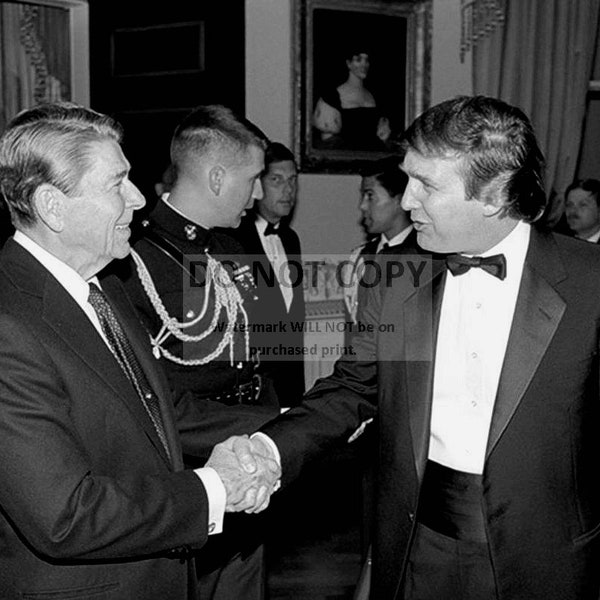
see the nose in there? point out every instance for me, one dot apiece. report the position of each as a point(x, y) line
point(134, 198)
point(363, 205)
point(257, 192)
point(409, 198)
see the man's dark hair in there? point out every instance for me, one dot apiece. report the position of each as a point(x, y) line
point(277, 152)
point(388, 174)
point(496, 144)
point(587, 185)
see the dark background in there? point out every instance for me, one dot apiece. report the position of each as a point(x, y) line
point(151, 64)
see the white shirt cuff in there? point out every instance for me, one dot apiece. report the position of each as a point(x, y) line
point(217, 498)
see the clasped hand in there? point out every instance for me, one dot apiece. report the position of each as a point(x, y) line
point(248, 472)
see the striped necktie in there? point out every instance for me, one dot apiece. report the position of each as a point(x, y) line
point(123, 352)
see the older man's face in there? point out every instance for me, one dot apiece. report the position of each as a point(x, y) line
point(97, 221)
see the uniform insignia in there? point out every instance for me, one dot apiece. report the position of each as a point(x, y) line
point(190, 232)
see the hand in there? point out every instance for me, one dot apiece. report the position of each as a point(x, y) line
point(247, 471)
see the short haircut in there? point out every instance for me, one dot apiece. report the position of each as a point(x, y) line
point(497, 146)
point(588, 185)
point(277, 152)
point(388, 174)
point(49, 144)
point(215, 131)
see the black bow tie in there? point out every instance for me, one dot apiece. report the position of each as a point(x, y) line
point(495, 265)
point(271, 230)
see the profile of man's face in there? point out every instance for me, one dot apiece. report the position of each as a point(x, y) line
point(98, 217)
point(280, 183)
point(242, 186)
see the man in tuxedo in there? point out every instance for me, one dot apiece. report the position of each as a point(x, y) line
point(277, 318)
point(94, 498)
point(582, 209)
point(482, 375)
point(386, 223)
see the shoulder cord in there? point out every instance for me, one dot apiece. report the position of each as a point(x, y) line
point(227, 297)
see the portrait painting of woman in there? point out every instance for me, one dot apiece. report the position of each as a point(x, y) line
point(364, 73)
point(348, 116)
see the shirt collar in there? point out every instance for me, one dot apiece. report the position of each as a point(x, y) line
point(397, 239)
point(75, 285)
point(165, 200)
point(262, 223)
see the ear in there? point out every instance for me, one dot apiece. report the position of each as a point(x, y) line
point(493, 195)
point(216, 179)
point(50, 206)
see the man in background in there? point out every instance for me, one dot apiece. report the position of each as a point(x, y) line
point(274, 249)
point(94, 498)
point(582, 209)
point(386, 223)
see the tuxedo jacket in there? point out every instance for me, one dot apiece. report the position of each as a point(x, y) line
point(281, 328)
point(540, 499)
point(90, 503)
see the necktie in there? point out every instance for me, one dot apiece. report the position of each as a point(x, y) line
point(495, 265)
point(271, 229)
point(127, 360)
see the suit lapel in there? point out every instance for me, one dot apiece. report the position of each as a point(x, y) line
point(421, 321)
point(538, 312)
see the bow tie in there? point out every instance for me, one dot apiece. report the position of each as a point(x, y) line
point(271, 230)
point(495, 265)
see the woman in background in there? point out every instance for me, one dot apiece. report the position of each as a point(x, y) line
point(348, 116)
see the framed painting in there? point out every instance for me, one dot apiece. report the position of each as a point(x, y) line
point(361, 75)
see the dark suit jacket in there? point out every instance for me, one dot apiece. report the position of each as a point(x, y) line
point(90, 505)
point(541, 499)
point(270, 310)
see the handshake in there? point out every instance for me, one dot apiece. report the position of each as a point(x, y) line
point(249, 471)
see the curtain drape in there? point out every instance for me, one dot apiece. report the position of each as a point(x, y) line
point(35, 61)
point(540, 59)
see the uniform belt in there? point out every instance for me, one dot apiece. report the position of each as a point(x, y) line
point(244, 393)
point(451, 503)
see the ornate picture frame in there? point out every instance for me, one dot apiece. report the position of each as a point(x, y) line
point(382, 46)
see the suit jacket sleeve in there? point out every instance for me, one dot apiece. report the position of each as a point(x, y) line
point(70, 490)
point(336, 405)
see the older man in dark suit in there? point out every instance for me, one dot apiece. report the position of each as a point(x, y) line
point(94, 499)
point(484, 378)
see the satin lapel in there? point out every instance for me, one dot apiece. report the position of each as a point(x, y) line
point(538, 312)
point(69, 322)
point(140, 343)
point(421, 321)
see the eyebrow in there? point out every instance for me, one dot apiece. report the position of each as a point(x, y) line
point(119, 175)
point(423, 178)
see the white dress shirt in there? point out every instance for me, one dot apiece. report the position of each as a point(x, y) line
point(476, 316)
point(278, 258)
point(79, 289)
